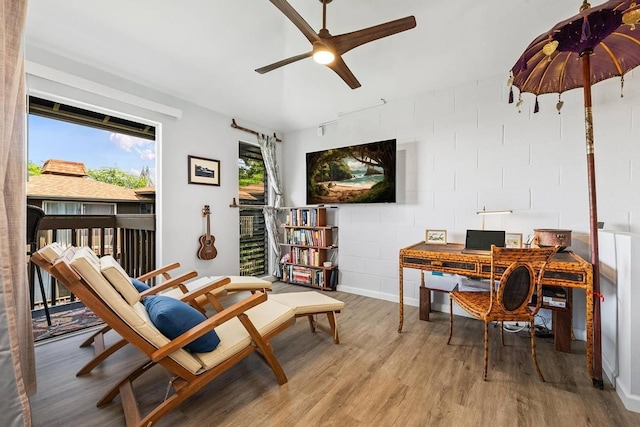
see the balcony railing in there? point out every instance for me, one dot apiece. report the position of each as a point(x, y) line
point(128, 238)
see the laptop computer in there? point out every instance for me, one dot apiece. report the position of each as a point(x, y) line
point(479, 241)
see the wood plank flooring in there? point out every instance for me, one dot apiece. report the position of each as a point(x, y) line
point(374, 377)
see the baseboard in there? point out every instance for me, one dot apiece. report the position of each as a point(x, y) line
point(629, 400)
point(414, 302)
point(609, 371)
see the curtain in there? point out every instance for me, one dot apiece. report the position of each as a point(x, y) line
point(268, 149)
point(17, 358)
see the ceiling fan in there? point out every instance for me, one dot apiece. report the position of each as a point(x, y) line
point(328, 49)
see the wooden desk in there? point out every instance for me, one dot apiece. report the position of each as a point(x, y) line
point(565, 269)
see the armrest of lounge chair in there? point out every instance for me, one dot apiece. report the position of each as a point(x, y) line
point(214, 287)
point(176, 282)
point(159, 271)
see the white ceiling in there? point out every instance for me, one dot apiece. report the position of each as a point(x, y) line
point(206, 51)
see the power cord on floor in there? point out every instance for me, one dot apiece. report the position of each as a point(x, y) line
point(514, 327)
point(542, 330)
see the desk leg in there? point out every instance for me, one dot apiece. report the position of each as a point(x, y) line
point(425, 303)
point(562, 330)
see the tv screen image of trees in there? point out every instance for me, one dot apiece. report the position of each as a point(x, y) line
point(363, 173)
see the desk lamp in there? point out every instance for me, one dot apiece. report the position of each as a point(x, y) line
point(484, 212)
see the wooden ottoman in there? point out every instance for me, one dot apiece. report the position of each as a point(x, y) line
point(311, 304)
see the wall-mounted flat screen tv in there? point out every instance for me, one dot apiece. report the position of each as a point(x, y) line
point(363, 173)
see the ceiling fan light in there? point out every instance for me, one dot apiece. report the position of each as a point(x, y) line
point(322, 54)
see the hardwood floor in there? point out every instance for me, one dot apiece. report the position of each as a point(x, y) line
point(374, 377)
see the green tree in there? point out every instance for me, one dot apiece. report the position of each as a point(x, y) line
point(33, 169)
point(252, 172)
point(118, 177)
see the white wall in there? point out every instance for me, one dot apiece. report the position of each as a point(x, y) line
point(467, 148)
point(620, 316)
point(197, 131)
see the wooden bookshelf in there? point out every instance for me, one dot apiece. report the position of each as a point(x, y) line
point(308, 243)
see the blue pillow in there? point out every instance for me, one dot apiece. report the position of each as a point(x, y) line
point(139, 285)
point(173, 317)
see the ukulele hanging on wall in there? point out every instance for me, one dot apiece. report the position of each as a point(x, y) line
point(207, 250)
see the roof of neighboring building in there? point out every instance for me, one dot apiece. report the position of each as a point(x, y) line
point(63, 167)
point(251, 192)
point(63, 180)
point(62, 187)
point(151, 190)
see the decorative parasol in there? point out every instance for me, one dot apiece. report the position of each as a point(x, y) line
point(596, 44)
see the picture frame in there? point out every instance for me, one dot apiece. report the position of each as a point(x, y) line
point(436, 237)
point(513, 240)
point(203, 171)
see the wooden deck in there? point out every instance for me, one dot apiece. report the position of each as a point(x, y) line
point(374, 377)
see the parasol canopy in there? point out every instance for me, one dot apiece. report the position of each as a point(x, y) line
point(551, 63)
point(596, 44)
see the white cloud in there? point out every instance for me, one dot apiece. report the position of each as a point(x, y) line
point(147, 154)
point(126, 142)
point(144, 147)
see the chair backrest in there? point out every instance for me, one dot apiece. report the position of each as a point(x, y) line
point(34, 216)
point(520, 272)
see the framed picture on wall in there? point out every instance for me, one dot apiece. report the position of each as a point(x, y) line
point(204, 171)
point(436, 237)
point(513, 240)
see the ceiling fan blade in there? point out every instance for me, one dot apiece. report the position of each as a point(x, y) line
point(345, 42)
point(344, 72)
point(297, 20)
point(279, 64)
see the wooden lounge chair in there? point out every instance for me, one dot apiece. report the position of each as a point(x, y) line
point(518, 274)
point(175, 287)
point(243, 328)
point(309, 304)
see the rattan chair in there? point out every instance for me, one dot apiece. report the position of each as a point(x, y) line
point(516, 274)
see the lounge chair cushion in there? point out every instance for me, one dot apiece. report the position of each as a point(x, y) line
point(51, 252)
point(119, 279)
point(234, 337)
point(245, 283)
point(310, 302)
point(173, 318)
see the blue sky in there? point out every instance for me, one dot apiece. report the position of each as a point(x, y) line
point(96, 148)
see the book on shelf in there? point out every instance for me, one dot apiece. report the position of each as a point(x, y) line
point(306, 237)
point(305, 256)
point(303, 217)
point(303, 275)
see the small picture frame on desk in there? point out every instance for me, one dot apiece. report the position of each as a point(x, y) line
point(435, 237)
point(513, 240)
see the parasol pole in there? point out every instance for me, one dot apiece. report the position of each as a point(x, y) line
point(593, 216)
